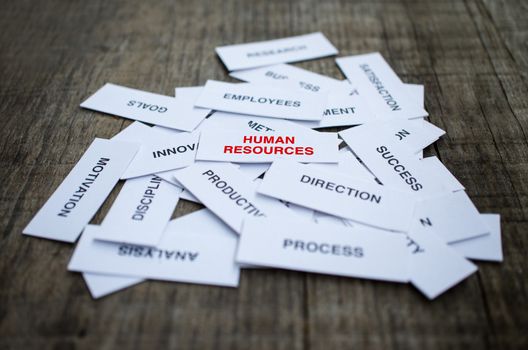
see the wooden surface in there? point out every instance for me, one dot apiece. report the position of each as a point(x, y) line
point(472, 57)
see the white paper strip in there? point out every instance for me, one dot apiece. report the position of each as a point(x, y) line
point(253, 147)
point(324, 249)
point(140, 212)
point(380, 86)
point(487, 247)
point(227, 192)
point(435, 267)
point(147, 107)
point(82, 192)
point(262, 100)
point(264, 53)
point(338, 194)
point(196, 248)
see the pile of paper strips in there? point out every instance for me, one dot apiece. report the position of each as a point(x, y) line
point(278, 193)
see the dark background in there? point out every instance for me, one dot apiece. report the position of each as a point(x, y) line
point(472, 57)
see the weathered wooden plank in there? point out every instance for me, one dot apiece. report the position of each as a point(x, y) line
point(56, 53)
point(133, 45)
point(422, 42)
point(508, 20)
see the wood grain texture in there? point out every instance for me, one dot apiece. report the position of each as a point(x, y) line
point(472, 57)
